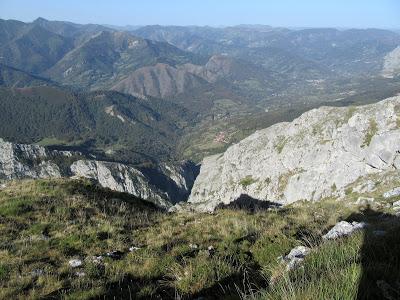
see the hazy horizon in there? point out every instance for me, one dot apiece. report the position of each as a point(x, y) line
point(205, 25)
point(290, 14)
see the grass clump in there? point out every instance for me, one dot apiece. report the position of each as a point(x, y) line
point(246, 181)
point(371, 131)
point(280, 144)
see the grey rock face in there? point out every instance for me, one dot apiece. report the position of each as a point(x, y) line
point(317, 155)
point(391, 64)
point(343, 228)
point(119, 177)
point(163, 185)
point(27, 161)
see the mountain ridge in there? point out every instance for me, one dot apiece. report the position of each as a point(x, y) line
point(325, 152)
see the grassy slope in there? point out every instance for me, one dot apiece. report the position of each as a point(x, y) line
point(45, 223)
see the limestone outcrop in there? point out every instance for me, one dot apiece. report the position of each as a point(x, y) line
point(320, 154)
point(163, 185)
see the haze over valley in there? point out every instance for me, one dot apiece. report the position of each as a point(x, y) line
point(199, 161)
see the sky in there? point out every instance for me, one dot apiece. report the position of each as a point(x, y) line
point(286, 13)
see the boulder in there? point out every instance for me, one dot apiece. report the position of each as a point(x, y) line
point(193, 246)
point(295, 257)
point(365, 201)
point(343, 228)
point(75, 263)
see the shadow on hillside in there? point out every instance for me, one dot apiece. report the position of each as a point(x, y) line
point(166, 184)
point(380, 255)
point(250, 204)
point(130, 288)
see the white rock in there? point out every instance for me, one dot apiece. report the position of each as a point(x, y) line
point(75, 263)
point(193, 246)
point(295, 257)
point(134, 248)
point(37, 272)
point(320, 154)
point(392, 193)
point(343, 228)
point(294, 263)
point(391, 63)
point(128, 179)
point(96, 259)
point(16, 161)
point(299, 252)
point(80, 274)
point(32, 161)
point(364, 200)
point(365, 187)
point(396, 204)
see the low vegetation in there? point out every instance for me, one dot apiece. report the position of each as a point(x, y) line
point(46, 223)
point(371, 131)
point(246, 181)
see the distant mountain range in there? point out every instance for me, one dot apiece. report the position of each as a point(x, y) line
point(168, 90)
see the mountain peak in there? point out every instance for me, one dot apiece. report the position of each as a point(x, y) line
point(40, 20)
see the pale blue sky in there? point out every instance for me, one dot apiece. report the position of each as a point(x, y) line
point(289, 13)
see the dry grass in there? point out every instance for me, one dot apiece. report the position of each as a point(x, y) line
point(231, 253)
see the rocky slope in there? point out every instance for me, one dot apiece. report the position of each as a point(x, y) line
point(162, 185)
point(159, 81)
point(164, 81)
point(391, 65)
point(325, 152)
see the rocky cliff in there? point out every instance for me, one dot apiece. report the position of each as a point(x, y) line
point(325, 152)
point(391, 64)
point(163, 185)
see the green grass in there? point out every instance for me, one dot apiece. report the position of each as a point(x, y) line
point(280, 144)
point(45, 223)
point(49, 141)
point(371, 131)
point(347, 268)
point(246, 181)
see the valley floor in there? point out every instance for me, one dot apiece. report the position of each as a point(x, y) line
point(70, 239)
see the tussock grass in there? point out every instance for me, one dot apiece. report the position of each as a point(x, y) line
point(231, 253)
